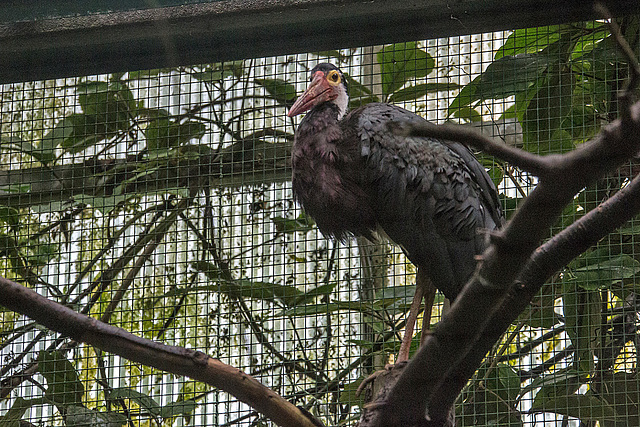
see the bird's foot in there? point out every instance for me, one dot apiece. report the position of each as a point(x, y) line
point(380, 374)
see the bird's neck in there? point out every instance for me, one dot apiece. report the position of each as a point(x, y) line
point(321, 117)
point(320, 125)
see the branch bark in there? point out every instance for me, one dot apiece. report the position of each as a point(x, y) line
point(485, 308)
point(177, 360)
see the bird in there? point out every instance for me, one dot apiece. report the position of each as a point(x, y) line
point(355, 176)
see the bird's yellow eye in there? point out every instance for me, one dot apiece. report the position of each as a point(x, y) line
point(333, 77)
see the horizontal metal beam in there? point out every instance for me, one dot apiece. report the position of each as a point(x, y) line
point(234, 166)
point(64, 40)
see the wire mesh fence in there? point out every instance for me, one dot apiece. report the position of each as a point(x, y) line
point(160, 201)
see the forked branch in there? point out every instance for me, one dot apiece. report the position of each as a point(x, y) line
point(501, 288)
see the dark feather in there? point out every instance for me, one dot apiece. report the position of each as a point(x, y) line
point(431, 197)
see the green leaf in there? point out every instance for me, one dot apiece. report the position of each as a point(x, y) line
point(467, 95)
point(585, 45)
point(163, 133)
point(11, 140)
point(359, 94)
point(503, 381)
point(467, 113)
point(582, 309)
point(541, 312)
point(282, 91)
point(496, 173)
point(13, 143)
point(528, 40)
point(54, 138)
point(402, 62)
point(578, 406)
point(63, 385)
point(112, 105)
point(510, 74)
point(302, 224)
point(209, 269)
point(582, 123)
point(621, 390)
point(266, 291)
point(414, 92)
point(10, 215)
point(506, 76)
point(319, 291)
point(85, 133)
point(182, 407)
point(190, 130)
point(596, 270)
point(562, 382)
point(219, 71)
point(492, 399)
point(509, 113)
point(209, 75)
point(541, 122)
point(92, 96)
point(145, 401)
point(348, 394)
point(79, 416)
point(41, 253)
point(317, 309)
point(12, 417)
point(398, 296)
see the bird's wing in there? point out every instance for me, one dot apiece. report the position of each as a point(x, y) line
point(488, 191)
point(430, 197)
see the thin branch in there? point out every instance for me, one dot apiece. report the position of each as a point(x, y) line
point(177, 360)
point(534, 164)
point(311, 370)
point(536, 371)
point(106, 248)
point(157, 235)
point(629, 54)
point(150, 234)
point(528, 347)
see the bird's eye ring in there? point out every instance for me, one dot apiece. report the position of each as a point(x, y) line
point(333, 77)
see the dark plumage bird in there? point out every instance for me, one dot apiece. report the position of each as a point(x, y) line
point(355, 176)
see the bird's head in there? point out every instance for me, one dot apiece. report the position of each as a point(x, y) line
point(327, 85)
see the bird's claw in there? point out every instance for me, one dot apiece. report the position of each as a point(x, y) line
point(371, 378)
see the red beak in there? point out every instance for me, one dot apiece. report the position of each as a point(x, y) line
point(319, 91)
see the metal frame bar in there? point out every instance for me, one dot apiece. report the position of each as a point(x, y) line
point(64, 41)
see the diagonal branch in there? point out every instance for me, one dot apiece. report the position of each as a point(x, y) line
point(443, 355)
point(177, 360)
point(489, 302)
point(536, 165)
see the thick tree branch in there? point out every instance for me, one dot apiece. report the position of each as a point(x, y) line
point(438, 371)
point(177, 360)
point(544, 262)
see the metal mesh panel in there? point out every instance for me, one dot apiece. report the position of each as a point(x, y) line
point(159, 201)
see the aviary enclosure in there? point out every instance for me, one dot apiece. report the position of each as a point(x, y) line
point(158, 200)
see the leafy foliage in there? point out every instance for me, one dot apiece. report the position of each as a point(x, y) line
point(401, 63)
point(140, 160)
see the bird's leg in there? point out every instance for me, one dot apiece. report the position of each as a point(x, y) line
point(429, 296)
point(426, 290)
point(405, 346)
